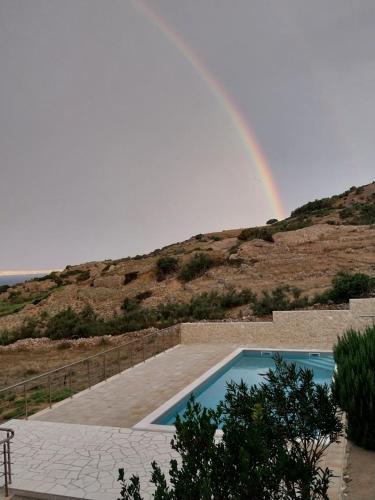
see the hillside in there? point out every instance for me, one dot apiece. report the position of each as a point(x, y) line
point(306, 251)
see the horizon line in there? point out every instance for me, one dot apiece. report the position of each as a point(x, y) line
point(19, 272)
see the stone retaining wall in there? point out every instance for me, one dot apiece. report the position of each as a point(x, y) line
point(292, 329)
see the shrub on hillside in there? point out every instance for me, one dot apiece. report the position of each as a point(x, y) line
point(196, 266)
point(346, 212)
point(28, 330)
point(282, 298)
point(347, 286)
point(366, 214)
point(292, 224)
point(274, 437)
point(131, 276)
point(312, 207)
point(83, 276)
point(71, 324)
point(271, 221)
point(143, 295)
point(256, 233)
point(164, 266)
point(354, 384)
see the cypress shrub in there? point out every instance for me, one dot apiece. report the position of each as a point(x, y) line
point(354, 384)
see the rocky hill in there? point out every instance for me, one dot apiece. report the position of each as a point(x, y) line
point(306, 251)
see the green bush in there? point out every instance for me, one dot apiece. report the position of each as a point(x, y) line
point(83, 276)
point(143, 295)
point(347, 286)
point(196, 266)
point(4, 288)
point(312, 207)
point(274, 438)
point(164, 266)
point(346, 212)
point(271, 221)
point(256, 233)
point(292, 224)
point(354, 384)
point(129, 277)
point(71, 324)
point(366, 214)
point(282, 298)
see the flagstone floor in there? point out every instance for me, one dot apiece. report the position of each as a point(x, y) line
point(74, 450)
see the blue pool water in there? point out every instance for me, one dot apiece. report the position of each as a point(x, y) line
point(249, 366)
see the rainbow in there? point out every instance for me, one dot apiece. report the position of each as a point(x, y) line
point(248, 139)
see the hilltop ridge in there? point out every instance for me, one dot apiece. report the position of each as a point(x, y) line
point(304, 251)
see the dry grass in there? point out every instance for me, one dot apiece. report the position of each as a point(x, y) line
point(20, 362)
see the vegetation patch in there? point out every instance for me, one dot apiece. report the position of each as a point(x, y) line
point(347, 286)
point(354, 384)
point(129, 277)
point(256, 233)
point(196, 266)
point(205, 306)
point(282, 298)
point(140, 297)
point(165, 266)
point(315, 207)
point(16, 302)
point(274, 438)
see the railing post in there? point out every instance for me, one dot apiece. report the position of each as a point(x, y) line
point(143, 348)
point(9, 463)
point(119, 360)
point(88, 374)
point(25, 398)
point(70, 383)
point(5, 471)
point(49, 391)
point(105, 366)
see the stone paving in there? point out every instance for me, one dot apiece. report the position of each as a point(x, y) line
point(74, 450)
point(82, 461)
point(125, 399)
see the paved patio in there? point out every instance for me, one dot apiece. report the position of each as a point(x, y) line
point(74, 450)
point(125, 399)
point(82, 461)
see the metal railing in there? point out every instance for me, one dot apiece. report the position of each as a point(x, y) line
point(5, 464)
point(34, 394)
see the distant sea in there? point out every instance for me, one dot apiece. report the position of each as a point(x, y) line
point(17, 278)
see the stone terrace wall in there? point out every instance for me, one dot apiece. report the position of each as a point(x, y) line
point(289, 329)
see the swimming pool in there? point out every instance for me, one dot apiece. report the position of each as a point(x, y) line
point(242, 364)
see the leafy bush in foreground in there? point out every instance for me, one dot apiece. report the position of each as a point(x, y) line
point(354, 384)
point(274, 436)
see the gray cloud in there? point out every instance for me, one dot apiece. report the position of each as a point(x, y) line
point(111, 144)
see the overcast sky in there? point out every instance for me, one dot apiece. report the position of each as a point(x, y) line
point(111, 144)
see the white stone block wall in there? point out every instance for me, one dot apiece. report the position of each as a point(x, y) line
point(289, 329)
